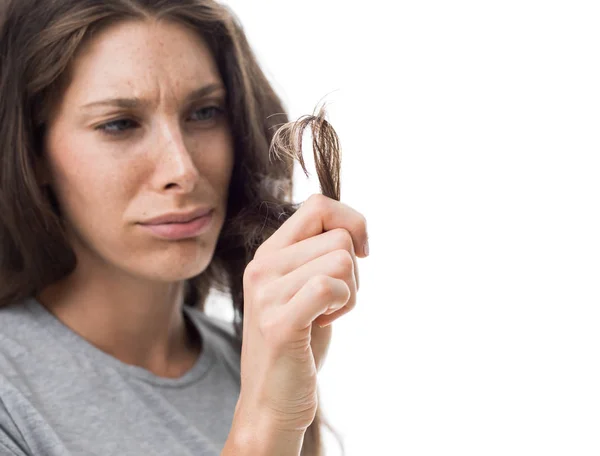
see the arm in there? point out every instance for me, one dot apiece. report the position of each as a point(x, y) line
point(252, 436)
point(246, 442)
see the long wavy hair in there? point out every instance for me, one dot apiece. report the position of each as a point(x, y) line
point(38, 42)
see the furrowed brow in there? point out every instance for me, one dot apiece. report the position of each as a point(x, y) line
point(136, 102)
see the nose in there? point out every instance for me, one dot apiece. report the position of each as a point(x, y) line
point(175, 167)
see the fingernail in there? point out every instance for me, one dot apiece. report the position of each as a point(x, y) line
point(366, 247)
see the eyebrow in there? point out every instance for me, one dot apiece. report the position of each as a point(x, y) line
point(136, 102)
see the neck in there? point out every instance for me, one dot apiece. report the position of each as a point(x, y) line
point(137, 322)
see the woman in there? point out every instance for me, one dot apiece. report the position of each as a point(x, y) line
point(134, 135)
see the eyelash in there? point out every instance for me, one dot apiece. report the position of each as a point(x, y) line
point(103, 128)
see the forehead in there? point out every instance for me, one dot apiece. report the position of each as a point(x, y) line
point(142, 58)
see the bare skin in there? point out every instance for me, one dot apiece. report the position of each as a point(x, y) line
point(112, 167)
point(303, 277)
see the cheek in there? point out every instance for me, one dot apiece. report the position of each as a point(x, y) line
point(217, 165)
point(90, 191)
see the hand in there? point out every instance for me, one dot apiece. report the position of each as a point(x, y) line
point(304, 275)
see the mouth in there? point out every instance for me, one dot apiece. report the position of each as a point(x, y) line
point(178, 217)
point(181, 230)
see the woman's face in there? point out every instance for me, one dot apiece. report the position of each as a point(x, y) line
point(133, 139)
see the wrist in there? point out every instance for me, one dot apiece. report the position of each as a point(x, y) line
point(254, 434)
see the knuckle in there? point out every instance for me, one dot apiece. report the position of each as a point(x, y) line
point(343, 261)
point(253, 272)
point(318, 202)
point(321, 287)
point(315, 197)
point(343, 239)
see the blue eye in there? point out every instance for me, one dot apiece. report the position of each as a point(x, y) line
point(215, 109)
point(120, 126)
point(112, 127)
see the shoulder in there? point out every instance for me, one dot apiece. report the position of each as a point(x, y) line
point(20, 340)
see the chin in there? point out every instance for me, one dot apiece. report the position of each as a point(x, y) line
point(171, 274)
point(172, 265)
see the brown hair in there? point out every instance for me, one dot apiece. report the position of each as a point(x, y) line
point(38, 41)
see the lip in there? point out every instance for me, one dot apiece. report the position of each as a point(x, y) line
point(178, 217)
point(174, 231)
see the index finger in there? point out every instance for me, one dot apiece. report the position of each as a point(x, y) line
point(318, 214)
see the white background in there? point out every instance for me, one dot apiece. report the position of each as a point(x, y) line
point(470, 140)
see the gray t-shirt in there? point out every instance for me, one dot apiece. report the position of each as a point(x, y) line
point(62, 396)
